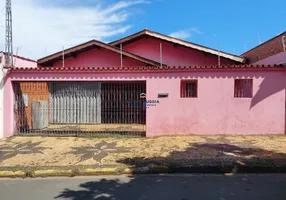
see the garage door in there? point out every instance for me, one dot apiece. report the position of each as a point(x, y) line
point(75, 102)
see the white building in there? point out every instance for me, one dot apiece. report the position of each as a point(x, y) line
point(1, 95)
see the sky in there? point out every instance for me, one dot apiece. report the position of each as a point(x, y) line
point(43, 27)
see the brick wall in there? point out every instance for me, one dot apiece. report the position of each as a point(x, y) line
point(268, 48)
point(35, 91)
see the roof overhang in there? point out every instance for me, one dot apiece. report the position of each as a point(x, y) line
point(147, 68)
point(147, 32)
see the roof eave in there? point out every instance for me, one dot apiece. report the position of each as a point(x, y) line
point(151, 68)
point(197, 47)
point(54, 55)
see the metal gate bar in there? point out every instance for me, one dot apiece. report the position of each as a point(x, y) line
point(121, 103)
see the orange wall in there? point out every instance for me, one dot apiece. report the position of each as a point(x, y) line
point(35, 91)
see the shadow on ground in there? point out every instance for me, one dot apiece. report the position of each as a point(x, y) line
point(184, 188)
point(214, 154)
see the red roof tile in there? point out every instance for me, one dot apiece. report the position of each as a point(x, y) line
point(144, 68)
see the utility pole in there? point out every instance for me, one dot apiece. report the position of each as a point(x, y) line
point(9, 37)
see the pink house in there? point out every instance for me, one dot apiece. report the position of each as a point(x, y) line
point(144, 84)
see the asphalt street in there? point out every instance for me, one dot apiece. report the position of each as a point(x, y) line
point(149, 187)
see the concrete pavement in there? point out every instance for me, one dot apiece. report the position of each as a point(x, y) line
point(149, 187)
point(68, 156)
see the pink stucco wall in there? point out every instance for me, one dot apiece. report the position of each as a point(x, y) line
point(8, 107)
point(21, 62)
point(98, 58)
point(275, 59)
point(172, 55)
point(215, 111)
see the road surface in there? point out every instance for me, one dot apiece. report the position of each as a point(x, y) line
point(149, 187)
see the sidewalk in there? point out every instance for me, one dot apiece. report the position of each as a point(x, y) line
point(51, 156)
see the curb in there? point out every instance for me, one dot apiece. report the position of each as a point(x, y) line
point(150, 169)
point(13, 174)
point(51, 172)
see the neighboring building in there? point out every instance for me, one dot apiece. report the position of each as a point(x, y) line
point(156, 85)
point(272, 51)
point(1, 96)
point(18, 61)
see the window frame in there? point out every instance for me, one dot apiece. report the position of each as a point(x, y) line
point(183, 84)
point(243, 96)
